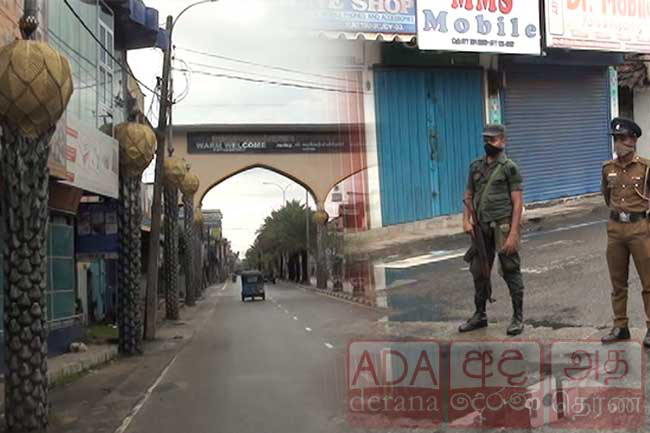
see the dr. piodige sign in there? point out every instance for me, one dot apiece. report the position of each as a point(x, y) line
point(493, 26)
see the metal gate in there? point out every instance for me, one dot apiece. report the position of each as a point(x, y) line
point(557, 119)
point(428, 131)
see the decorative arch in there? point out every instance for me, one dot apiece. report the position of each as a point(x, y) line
point(224, 178)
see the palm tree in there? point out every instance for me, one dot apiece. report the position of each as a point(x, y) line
point(175, 170)
point(137, 143)
point(281, 242)
point(27, 126)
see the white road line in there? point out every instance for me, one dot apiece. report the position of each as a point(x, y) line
point(444, 255)
point(127, 421)
point(308, 329)
point(329, 346)
point(295, 318)
point(433, 257)
point(563, 229)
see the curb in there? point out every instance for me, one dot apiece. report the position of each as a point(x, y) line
point(342, 295)
point(102, 357)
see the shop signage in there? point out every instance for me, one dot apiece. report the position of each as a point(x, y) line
point(366, 16)
point(92, 159)
point(208, 143)
point(605, 25)
point(493, 26)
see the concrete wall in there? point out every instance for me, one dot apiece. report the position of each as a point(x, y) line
point(642, 117)
point(372, 57)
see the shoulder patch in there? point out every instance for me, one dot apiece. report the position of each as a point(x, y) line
point(644, 161)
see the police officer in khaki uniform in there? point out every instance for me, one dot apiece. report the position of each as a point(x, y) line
point(625, 186)
point(494, 196)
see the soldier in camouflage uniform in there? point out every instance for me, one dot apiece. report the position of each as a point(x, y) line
point(494, 191)
point(625, 186)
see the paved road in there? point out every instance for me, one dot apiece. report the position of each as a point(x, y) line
point(263, 366)
point(565, 274)
point(278, 365)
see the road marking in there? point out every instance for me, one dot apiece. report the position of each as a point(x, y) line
point(563, 229)
point(444, 255)
point(329, 346)
point(433, 257)
point(286, 311)
point(127, 421)
point(308, 329)
point(295, 318)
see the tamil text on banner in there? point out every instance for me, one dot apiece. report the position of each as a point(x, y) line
point(493, 26)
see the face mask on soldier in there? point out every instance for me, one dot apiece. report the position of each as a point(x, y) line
point(621, 149)
point(491, 150)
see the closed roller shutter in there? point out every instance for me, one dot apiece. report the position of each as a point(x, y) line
point(557, 119)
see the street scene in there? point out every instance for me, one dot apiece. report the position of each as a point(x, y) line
point(324, 216)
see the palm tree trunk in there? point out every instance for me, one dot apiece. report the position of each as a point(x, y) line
point(190, 289)
point(170, 254)
point(130, 300)
point(305, 267)
point(25, 232)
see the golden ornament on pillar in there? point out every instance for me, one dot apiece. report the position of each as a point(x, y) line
point(190, 184)
point(137, 147)
point(321, 217)
point(35, 86)
point(175, 171)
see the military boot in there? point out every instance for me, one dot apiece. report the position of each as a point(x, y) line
point(617, 334)
point(479, 319)
point(517, 324)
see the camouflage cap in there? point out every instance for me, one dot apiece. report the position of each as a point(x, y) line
point(494, 130)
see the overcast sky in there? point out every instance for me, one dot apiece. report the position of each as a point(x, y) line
point(253, 31)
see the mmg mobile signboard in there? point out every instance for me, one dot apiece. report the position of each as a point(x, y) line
point(269, 141)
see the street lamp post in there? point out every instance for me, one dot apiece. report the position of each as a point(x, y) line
point(156, 211)
point(283, 189)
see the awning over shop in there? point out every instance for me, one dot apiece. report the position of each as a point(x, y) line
point(137, 26)
point(361, 36)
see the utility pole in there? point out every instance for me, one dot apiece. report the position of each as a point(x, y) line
point(156, 212)
point(307, 234)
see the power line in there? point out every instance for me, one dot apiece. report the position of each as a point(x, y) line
point(272, 77)
point(275, 83)
point(262, 65)
point(103, 47)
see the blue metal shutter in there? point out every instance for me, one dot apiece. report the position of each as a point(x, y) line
point(403, 145)
point(429, 125)
point(558, 119)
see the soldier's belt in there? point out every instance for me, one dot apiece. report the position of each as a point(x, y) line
point(627, 217)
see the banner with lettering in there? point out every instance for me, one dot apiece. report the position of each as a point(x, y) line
point(600, 25)
point(492, 26)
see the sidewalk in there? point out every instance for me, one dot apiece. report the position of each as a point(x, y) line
point(69, 365)
point(384, 241)
point(84, 398)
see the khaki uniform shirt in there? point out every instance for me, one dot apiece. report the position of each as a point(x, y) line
point(498, 203)
point(624, 184)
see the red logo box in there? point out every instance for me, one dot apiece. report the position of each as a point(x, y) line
point(492, 383)
point(597, 386)
point(394, 383)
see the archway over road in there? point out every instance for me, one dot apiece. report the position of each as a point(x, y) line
point(317, 156)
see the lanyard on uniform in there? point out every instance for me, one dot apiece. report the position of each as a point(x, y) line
point(486, 188)
point(644, 196)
